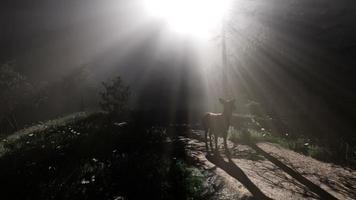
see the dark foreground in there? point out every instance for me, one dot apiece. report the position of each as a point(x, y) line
point(89, 156)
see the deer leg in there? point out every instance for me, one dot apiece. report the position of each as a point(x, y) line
point(206, 140)
point(216, 143)
point(210, 141)
point(226, 148)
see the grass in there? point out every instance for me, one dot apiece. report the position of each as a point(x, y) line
point(193, 181)
point(7, 141)
point(85, 156)
point(302, 145)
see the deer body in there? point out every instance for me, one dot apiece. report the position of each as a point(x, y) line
point(217, 124)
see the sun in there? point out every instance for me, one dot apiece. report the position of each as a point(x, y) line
point(198, 18)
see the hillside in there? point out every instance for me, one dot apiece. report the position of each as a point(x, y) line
point(86, 156)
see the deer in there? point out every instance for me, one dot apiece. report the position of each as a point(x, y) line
point(218, 124)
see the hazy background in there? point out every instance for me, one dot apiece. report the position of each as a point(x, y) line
point(295, 58)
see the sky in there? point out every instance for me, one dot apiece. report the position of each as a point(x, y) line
point(290, 53)
point(57, 34)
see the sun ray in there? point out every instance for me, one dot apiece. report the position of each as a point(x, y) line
point(194, 18)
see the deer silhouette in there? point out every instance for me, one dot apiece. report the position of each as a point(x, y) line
point(217, 124)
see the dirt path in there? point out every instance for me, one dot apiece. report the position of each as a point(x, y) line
point(268, 171)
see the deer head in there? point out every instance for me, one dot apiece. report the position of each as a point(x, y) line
point(229, 106)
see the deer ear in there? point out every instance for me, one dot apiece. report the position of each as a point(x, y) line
point(222, 101)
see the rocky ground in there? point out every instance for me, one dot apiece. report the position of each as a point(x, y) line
point(268, 171)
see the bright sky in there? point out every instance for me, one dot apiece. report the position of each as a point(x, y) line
point(193, 18)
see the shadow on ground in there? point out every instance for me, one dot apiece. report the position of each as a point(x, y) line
point(279, 173)
point(233, 170)
point(313, 187)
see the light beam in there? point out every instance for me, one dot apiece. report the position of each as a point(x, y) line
point(196, 18)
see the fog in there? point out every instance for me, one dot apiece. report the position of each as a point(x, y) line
point(294, 58)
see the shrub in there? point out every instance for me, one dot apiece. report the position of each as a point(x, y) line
point(115, 98)
point(90, 158)
point(15, 93)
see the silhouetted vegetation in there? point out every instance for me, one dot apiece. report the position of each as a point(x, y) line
point(94, 156)
point(16, 93)
point(115, 98)
point(336, 152)
point(25, 101)
point(87, 157)
point(289, 64)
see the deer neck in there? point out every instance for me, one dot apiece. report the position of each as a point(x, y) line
point(227, 116)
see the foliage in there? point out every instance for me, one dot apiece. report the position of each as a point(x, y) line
point(254, 108)
point(25, 102)
point(190, 182)
point(76, 91)
point(12, 86)
point(336, 152)
point(87, 157)
point(15, 92)
point(115, 97)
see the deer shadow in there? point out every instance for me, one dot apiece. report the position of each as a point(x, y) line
point(233, 170)
point(297, 176)
point(345, 185)
point(282, 180)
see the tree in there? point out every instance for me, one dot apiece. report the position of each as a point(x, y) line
point(115, 98)
point(15, 91)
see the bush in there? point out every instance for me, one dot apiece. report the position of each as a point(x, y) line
point(115, 98)
point(90, 158)
point(15, 94)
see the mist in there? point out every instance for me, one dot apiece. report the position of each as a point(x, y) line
point(288, 66)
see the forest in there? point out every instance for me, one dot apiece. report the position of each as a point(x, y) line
point(154, 99)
